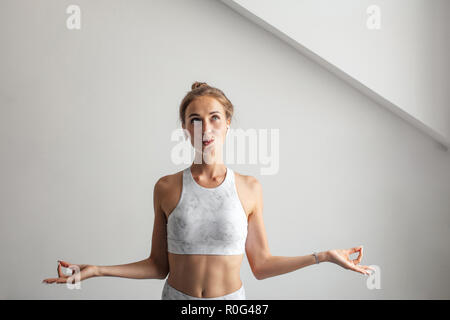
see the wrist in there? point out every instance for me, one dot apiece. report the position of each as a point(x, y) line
point(322, 256)
point(97, 271)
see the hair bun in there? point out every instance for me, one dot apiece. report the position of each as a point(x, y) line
point(197, 84)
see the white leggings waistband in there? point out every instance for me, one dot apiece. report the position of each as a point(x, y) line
point(170, 293)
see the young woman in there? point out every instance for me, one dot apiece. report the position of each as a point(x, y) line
point(206, 217)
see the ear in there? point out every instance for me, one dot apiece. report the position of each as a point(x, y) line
point(185, 133)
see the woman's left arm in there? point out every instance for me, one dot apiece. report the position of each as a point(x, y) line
point(264, 265)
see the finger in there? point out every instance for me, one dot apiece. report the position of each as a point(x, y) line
point(60, 273)
point(368, 267)
point(359, 258)
point(49, 280)
point(71, 267)
point(365, 272)
point(355, 249)
point(68, 265)
point(357, 269)
point(61, 280)
point(362, 271)
point(54, 280)
point(65, 264)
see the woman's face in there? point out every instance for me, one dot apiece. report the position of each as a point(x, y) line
point(206, 123)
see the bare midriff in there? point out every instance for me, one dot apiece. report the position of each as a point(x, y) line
point(205, 276)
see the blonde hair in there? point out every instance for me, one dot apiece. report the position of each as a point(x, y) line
point(199, 89)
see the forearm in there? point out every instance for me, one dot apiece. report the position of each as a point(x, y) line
point(144, 269)
point(277, 265)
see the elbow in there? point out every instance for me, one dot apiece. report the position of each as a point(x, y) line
point(258, 277)
point(160, 270)
point(162, 275)
point(260, 268)
point(259, 273)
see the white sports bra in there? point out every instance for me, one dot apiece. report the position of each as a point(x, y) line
point(207, 220)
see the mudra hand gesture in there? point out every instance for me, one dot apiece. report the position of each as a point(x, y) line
point(341, 257)
point(85, 271)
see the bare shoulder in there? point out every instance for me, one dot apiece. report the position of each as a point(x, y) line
point(167, 181)
point(250, 183)
point(250, 192)
point(167, 186)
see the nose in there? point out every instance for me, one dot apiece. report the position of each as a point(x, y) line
point(206, 126)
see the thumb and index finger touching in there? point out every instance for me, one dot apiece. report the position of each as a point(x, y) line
point(61, 276)
point(356, 249)
point(359, 258)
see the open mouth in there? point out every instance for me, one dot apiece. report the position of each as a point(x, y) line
point(208, 142)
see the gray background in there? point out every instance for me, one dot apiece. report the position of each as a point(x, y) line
point(405, 61)
point(86, 118)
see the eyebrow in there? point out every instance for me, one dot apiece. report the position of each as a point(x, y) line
point(196, 114)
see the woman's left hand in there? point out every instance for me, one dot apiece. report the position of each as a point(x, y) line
point(341, 257)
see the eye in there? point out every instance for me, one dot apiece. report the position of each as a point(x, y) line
point(195, 119)
point(216, 117)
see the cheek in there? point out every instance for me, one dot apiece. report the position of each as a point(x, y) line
point(220, 128)
point(192, 128)
point(221, 124)
point(189, 131)
point(224, 133)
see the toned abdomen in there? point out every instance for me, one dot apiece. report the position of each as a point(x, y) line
point(205, 275)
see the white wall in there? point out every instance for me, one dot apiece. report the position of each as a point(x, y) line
point(85, 124)
point(403, 66)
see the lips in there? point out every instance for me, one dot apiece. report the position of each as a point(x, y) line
point(207, 142)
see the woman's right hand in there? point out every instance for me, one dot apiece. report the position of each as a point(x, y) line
point(86, 271)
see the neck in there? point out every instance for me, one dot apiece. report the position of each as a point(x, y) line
point(217, 169)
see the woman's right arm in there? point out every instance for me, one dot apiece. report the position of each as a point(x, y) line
point(156, 266)
point(144, 269)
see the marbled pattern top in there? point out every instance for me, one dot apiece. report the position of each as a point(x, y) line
point(207, 220)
